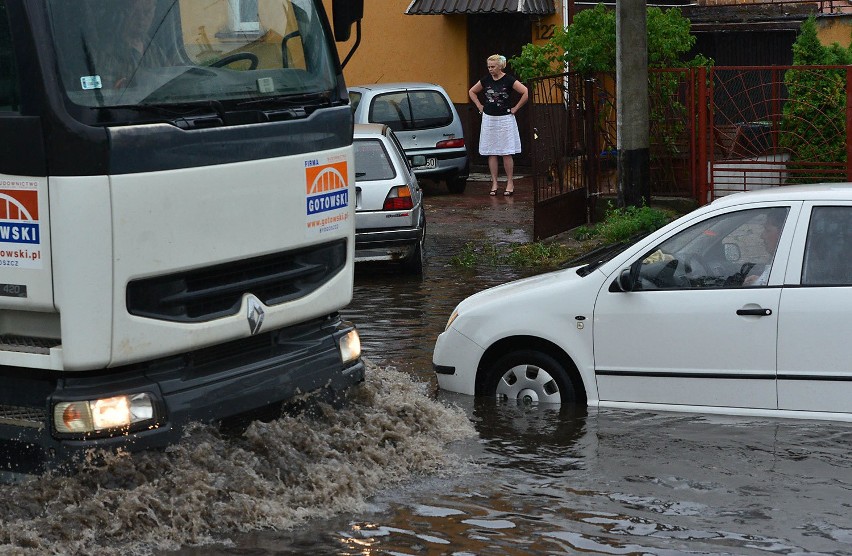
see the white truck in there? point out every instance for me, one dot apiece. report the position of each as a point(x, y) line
point(176, 218)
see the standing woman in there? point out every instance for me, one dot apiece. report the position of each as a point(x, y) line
point(499, 134)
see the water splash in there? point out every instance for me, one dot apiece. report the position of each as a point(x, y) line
point(274, 476)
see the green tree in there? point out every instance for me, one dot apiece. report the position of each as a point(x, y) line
point(588, 44)
point(813, 125)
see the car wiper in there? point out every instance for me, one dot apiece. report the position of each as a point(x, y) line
point(595, 258)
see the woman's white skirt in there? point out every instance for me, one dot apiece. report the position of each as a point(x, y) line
point(499, 135)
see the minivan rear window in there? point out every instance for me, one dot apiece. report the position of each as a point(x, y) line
point(411, 110)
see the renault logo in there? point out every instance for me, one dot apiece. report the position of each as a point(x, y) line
point(254, 314)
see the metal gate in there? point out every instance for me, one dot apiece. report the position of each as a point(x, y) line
point(562, 170)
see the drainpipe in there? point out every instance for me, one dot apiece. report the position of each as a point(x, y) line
point(567, 16)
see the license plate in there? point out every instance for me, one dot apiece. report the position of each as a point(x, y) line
point(431, 163)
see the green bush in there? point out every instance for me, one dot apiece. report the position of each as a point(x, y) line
point(623, 223)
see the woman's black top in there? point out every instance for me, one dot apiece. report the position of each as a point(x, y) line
point(497, 92)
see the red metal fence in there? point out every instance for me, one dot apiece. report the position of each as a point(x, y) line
point(713, 132)
point(726, 129)
point(772, 126)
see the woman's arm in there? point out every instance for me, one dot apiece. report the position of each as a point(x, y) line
point(473, 93)
point(525, 95)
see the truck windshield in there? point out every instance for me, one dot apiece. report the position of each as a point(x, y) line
point(160, 52)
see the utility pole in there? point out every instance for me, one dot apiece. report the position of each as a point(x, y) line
point(632, 124)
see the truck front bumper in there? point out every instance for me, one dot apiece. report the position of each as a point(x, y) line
point(205, 385)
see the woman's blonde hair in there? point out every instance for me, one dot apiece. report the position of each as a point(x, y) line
point(499, 59)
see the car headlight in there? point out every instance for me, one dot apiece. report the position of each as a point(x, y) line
point(89, 416)
point(451, 319)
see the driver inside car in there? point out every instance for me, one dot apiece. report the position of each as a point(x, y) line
point(731, 250)
point(770, 235)
point(135, 33)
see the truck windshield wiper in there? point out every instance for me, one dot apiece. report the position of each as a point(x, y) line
point(206, 113)
point(175, 109)
point(289, 101)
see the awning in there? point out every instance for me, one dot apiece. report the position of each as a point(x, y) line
point(446, 7)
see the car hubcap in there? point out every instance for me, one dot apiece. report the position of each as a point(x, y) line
point(528, 384)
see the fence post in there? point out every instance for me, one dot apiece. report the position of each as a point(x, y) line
point(848, 125)
point(702, 169)
point(593, 150)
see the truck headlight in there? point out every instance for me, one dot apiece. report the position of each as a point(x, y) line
point(88, 416)
point(350, 346)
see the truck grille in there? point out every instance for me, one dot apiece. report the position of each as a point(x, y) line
point(213, 292)
point(24, 344)
point(22, 416)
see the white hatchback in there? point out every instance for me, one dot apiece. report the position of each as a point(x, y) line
point(390, 222)
point(740, 307)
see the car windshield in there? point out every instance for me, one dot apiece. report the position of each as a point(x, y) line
point(592, 260)
point(144, 52)
point(372, 161)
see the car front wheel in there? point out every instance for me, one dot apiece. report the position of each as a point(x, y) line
point(529, 377)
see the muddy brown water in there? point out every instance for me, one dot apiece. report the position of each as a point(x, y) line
point(405, 470)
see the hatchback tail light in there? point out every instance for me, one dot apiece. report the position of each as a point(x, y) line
point(450, 144)
point(399, 198)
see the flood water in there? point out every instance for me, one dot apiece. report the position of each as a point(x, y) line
point(403, 469)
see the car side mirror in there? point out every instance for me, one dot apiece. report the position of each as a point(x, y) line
point(418, 160)
point(625, 280)
point(732, 252)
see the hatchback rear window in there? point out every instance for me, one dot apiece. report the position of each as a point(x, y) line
point(372, 161)
point(410, 110)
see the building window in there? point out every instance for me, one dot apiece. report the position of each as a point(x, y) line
point(244, 16)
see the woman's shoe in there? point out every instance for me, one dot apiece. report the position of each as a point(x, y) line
point(493, 191)
point(508, 193)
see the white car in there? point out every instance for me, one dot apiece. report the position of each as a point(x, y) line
point(705, 314)
point(390, 222)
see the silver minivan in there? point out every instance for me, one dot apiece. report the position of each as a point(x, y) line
point(426, 123)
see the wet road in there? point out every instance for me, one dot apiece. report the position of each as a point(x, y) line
point(559, 482)
point(545, 481)
point(399, 472)
point(399, 317)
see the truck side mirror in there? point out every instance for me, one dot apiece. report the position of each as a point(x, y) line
point(344, 14)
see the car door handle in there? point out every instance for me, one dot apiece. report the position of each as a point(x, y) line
point(759, 312)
